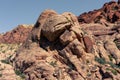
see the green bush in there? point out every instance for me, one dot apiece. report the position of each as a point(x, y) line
point(112, 70)
point(0, 75)
point(53, 63)
point(113, 65)
point(5, 61)
point(110, 57)
point(19, 73)
point(100, 60)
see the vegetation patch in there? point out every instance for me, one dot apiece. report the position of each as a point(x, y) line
point(19, 73)
point(110, 57)
point(112, 70)
point(0, 75)
point(5, 61)
point(53, 63)
point(100, 60)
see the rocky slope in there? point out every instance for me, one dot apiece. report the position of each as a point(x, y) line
point(62, 47)
point(66, 47)
point(6, 69)
point(17, 35)
point(110, 12)
point(9, 43)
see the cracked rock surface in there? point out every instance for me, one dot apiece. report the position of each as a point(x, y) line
point(67, 47)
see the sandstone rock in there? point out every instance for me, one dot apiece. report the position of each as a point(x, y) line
point(78, 66)
point(6, 69)
point(103, 15)
point(71, 52)
point(42, 70)
point(35, 34)
point(54, 26)
point(75, 75)
point(88, 44)
point(89, 17)
point(99, 30)
point(75, 27)
point(78, 31)
point(76, 48)
point(113, 50)
point(71, 18)
point(59, 47)
point(75, 62)
point(29, 59)
point(44, 15)
point(67, 37)
point(1, 38)
point(17, 35)
point(102, 52)
point(36, 31)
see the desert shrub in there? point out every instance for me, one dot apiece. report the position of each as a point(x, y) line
point(110, 57)
point(100, 60)
point(0, 75)
point(19, 73)
point(112, 70)
point(53, 63)
point(5, 61)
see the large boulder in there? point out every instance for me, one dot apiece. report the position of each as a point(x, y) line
point(55, 26)
point(88, 44)
point(67, 37)
point(36, 31)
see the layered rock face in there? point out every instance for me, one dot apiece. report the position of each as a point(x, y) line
point(60, 47)
point(110, 12)
point(17, 35)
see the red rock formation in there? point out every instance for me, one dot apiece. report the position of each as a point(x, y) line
point(110, 12)
point(88, 44)
point(58, 47)
point(66, 50)
point(17, 35)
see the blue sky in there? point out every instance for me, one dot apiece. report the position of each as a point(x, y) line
point(15, 12)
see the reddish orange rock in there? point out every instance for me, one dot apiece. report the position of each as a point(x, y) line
point(88, 44)
point(17, 35)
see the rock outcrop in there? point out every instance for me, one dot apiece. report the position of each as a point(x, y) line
point(9, 43)
point(59, 48)
point(66, 47)
point(110, 12)
point(7, 72)
point(54, 26)
point(17, 35)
